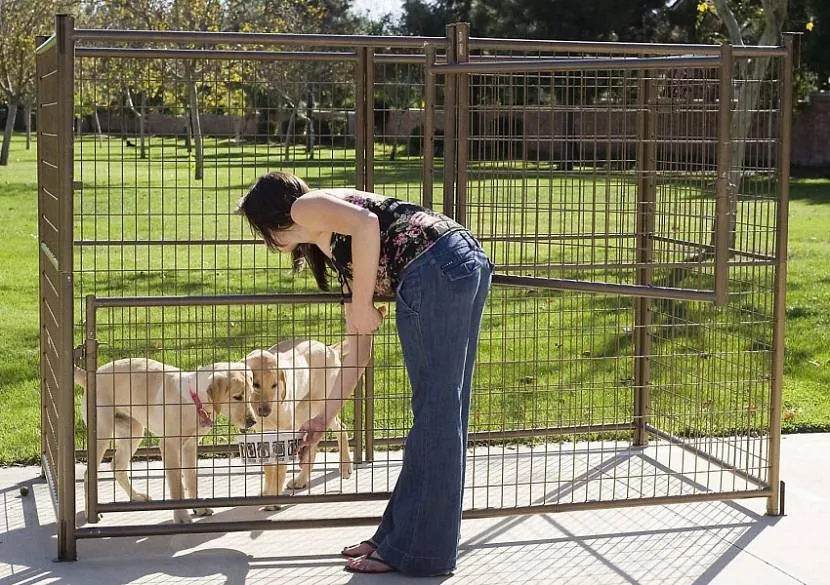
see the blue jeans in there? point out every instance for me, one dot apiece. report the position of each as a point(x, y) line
point(439, 303)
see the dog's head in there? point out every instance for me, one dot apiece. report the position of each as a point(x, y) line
point(230, 389)
point(269, 385)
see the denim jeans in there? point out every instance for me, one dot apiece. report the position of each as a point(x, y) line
point(439, 303)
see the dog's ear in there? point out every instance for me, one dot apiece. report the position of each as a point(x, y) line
point(256, 353)
point(219, 391)
point(382, 311)
point(282, 383)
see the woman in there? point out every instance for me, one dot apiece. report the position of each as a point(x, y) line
point(441, 277)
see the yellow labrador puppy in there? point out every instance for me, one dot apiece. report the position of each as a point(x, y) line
point(176, 406)
point(291, 382)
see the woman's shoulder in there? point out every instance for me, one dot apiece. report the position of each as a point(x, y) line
point(355, 196)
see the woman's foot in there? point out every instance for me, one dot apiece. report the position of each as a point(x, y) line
point(371, 563)
point(363, 548)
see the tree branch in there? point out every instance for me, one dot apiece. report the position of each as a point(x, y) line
point(727, 17)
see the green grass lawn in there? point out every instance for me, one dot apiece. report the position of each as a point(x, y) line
point(547, 358)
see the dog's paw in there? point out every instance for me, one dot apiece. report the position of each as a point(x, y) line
point(271, 508)
point(182, 517)
point(202, 512)
point(297, 483)
point(346, 468)
point(139, 497)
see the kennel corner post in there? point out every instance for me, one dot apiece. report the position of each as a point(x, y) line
point(645, 221)
point(450, 142)
point(723, 190)
point(429, 126)
point(91, 392)
point(66, 530)
point(774, 506)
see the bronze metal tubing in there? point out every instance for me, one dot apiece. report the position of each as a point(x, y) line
point(634, 290)
point(462, 80)
point(588, 64)
point(450, 125)
point(360, 120)
point(723, 188)
point(207, 300)
point(646, 209)
point(369, 118)
point(65, 472)
point(214, 54)
point(709, 248)
point(91, 393)
point(242, 38)
point(369, 380)
point(479, 437)
point(203, 527)
point(780, 286)
point(232, 502)
point(482, 43)
point(429, 127)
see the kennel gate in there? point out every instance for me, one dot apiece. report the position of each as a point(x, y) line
point(606, 170)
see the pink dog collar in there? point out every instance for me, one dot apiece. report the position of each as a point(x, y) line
point(204, 417)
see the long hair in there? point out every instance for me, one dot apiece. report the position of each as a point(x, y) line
point(267, 207)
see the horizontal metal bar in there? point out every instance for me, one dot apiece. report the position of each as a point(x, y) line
point(46, 45)
point(483, 436)
point(119, 243)
point(484, 43)
point(318, 40)
point(590, 64)
point(711, 248)
point(634, 290)
point(242, 299)
point(657, 265)
point(214, 54)
point(206, 526)
point(704, 455)
point(234, 501)
point(607, 504)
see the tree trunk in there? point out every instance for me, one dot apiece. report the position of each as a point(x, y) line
point(142, 123)
point(289, 133)
point(310, 137)
point(98, 130)
point(197, 132)
point(28, 110)
point(7, 133)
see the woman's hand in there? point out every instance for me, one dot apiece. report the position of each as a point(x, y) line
point(362, 318)
point(313, 431)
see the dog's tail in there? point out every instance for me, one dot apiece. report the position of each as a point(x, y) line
point(80, 377)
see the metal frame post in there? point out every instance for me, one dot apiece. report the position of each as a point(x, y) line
point(779, 302)
point(723, 223)
point(64, 25)
point(646, 209)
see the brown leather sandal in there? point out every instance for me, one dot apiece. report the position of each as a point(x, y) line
point(383, 566)
point(362, 542)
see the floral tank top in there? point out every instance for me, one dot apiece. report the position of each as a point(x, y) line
point(407, 230)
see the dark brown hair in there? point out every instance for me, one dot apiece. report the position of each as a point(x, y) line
point(267, 207)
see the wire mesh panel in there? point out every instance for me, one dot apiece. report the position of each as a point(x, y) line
point(581, 177)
